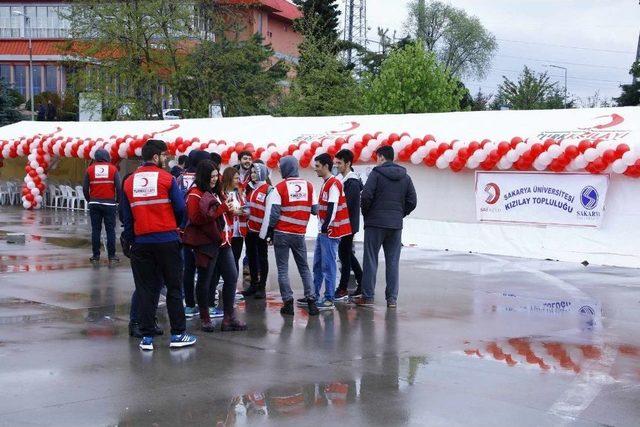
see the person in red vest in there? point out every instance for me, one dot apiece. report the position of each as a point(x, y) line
point(333, 224)
point(289, 208)
point(153, 207)
point(101, 186)
point(257, 248)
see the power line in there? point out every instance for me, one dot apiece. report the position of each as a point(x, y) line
point(570, 78)
point(562, 62)
point(568, 47)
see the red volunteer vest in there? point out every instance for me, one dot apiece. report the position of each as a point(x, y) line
point(147, 190)
point(227, 232)
point(340, 226)
point(296, 195)
point(102, 183)
point(257, 207)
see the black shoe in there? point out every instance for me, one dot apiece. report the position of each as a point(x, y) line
point(251, 291)
point(114, 260)
point(134, 330)
point(260, 293)
point(95, 259)
point(287, 308)
point(312, 307)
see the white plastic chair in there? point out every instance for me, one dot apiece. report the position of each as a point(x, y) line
point(14, 192)
point(5, 195)
point(81, 200)
point(60, 201)
point(72, 198)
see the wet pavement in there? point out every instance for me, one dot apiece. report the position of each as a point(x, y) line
point(475, 340)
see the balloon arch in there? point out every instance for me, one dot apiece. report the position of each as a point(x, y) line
point(597, 154)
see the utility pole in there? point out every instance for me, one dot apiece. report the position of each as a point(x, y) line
point(565, 81)
point(635, 79)
point(27, 23)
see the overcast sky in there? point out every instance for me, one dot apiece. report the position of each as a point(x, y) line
point(595, 40)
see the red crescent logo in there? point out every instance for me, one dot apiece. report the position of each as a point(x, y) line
point(615, 120)
point(493, 193)
point(298, 188)
point(353, 125)
point(146, 182)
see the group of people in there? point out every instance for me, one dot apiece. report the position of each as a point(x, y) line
point(185, 229)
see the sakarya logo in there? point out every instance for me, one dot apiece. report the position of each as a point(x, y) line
point(493, 193)
point(589, 197)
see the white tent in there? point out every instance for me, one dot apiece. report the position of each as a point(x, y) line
point(441, 151)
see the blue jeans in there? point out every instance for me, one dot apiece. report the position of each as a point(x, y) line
point(282, 244)
point(391, 242)
point(324, 266)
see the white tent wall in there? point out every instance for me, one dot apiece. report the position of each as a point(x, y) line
point(445, 217)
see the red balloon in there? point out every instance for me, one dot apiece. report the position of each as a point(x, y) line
point(417, 142)
point(292, 148)
point(572, 151)
point(358, 145)
point(29, 197)
point(548, 143)
point(429, 161)
point(428, 138)
point(304, 162)
point(487, 165)
point(393, 138)
point(272, 163)
point(332, 150)
point(536, 149)
point(463, 153)
point(366, 137)
point(315, 145)
point(609, 156)
point(340, 142)
point(442, 148)
point(474, 146)
point(515, 141)
point(494, 156)
point(621, 149)
point(33, 173)
point(599, 165)
point(275, 156)
point(503, 148)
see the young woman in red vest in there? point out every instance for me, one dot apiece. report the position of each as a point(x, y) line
point(257, 248)
point(207, 232)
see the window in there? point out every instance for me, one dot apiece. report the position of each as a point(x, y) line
point(44, 21)
point(37, 79)
point(5, 73)
point(20, 79)
point(51, 78)
point(260, 23)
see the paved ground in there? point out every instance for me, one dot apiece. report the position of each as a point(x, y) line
point(476, 340)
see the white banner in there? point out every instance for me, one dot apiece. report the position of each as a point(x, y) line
point(541, 198)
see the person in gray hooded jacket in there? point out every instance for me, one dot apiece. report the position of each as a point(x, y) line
point(288, 209)
point(100, 187)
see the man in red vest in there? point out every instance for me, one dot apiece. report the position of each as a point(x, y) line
point(289, 208)
point(153, 207)
point(101, 187)
point(333, 224)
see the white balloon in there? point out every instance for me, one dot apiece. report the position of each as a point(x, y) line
point(430, 145)
point(579, 162)
point(538, 165)
point(442, 163)
point(449, 155)
point(554, 151)
point(618, 166)
point(512, 156)
point(422, 152)
point(26, 204)
point(591, 154)
point(31, 185)
point(265, 156)
point(233, 158)
point(365, 154)
point(629, 158)
point(601, 148)
point(38, 199)
point(405, 140)
point(545, 159)
point(416, 159)
point(35, 191)
point(504, 164)
point(320, 150)
point(472, 163)
point(297, 154)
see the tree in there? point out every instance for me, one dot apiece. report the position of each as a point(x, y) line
point(130, 50)
point(594, 101)
point(412, 81)
point(323, 86)
point(10, 100)
point(481, 101)
point(238, 74)
point(532, 91)
point(459, 41)
point(320, 20)
point(630, 95)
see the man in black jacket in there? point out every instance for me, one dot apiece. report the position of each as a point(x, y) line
point(352, 185)
point(388, 196)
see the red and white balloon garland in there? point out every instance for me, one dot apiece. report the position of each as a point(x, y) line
point(596, 156)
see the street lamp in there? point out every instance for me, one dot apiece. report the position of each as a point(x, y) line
point(565, 81)
point(27, 22)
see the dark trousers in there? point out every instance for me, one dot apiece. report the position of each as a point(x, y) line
point(348, 262)
point(224, 265)
point(205, 288)
point(188, 277)
point(155, 265)
point(107, 214)
point(236, 251)
point(258, 255)
point(391, 242)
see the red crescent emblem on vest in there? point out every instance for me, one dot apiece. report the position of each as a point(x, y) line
point(146, 182)
point(298, 188)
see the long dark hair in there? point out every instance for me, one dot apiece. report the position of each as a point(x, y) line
point(203, 176)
